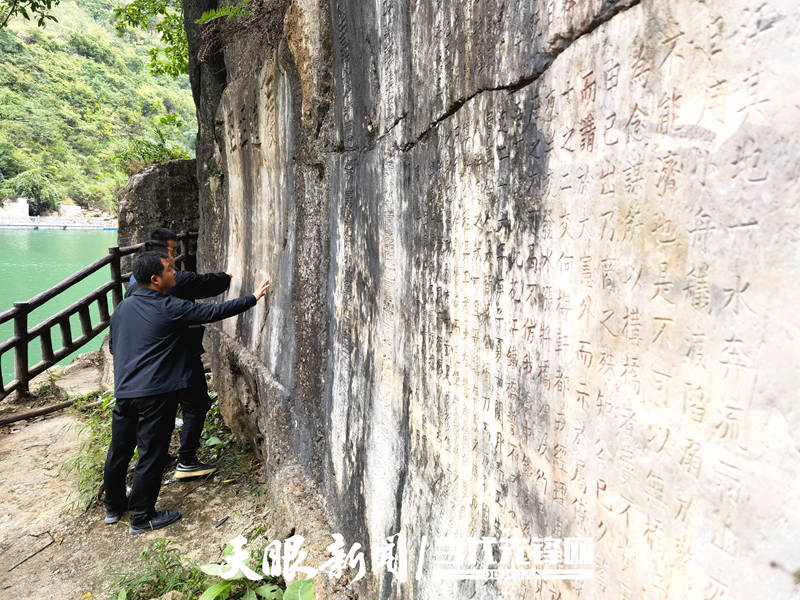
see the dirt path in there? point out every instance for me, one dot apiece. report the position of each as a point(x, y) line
point(51, 551)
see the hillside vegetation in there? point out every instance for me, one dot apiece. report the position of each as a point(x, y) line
point(80, 110)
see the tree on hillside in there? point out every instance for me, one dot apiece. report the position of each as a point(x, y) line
point(36, 186)
point(165, 17)
point(11, 164)
point(162, 16)
point(30, 9)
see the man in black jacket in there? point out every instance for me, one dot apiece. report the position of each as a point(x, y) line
point(196, 402)
point(152, 369)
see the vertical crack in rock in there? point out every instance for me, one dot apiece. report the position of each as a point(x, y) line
point(561, 44)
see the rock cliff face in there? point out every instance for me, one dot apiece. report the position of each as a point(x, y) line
point(533, 272)
point(163, 195)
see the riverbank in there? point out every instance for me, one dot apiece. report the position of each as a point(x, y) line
point(60, 223)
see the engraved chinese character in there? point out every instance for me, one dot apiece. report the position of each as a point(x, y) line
point(610, 139)
point(631, 222)
point(730, 425)
point(630, 374)
point(587, 130)
point(586, 271)
point(663, 286)
point(735, 355)
point(660, 324)
point(633, 177)
point(753, 98)
point(612, 74)
point(735, 296)
point(636, 125)
point(696, 352)
point(667, 171)
point(641, 65)
point(703, 227)
point(606, 364)
point(632, 325)
point(607, 172)
point(584, 354)
point(607, 315)
point(697, 288)
point(694, 402)
point(589, 89)
point(748, 162)
point(668, 107)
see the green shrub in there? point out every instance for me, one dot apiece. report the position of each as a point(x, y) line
point(9, 44)
point(141, 152)
point(37, 187)
point(44, 40)
point(91, 47)
point(11, 163)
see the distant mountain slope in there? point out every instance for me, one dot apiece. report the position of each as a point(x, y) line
point(74, 94)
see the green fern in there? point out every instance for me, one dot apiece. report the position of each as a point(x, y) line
point(242, 9)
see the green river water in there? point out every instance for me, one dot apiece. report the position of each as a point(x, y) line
point(32, 261)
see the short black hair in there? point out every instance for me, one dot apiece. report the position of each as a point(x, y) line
point(148, 264)
point(157, 245)
point(163, 234)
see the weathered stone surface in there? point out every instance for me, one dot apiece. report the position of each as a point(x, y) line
point(533, 277)
point(79, 382)
point(163, 195)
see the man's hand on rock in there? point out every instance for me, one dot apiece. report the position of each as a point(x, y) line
point(261, 290)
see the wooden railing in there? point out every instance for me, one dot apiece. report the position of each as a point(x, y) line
point(23, 335)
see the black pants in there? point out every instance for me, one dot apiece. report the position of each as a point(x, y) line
point(147, 423)
point(194, 405)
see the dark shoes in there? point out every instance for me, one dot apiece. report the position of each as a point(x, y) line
point(193, 469)
point(160, 519)
point(113, 516)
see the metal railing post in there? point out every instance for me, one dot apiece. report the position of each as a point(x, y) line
point(21, 349)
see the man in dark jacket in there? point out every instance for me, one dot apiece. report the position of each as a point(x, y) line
point(152, 369)
point(196, 402)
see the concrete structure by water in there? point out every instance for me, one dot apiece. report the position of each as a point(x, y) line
point(59, 223)
point(14, 215)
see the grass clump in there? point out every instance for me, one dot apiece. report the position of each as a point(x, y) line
point(90, 460)
point(161, 569)
point(49, 391)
